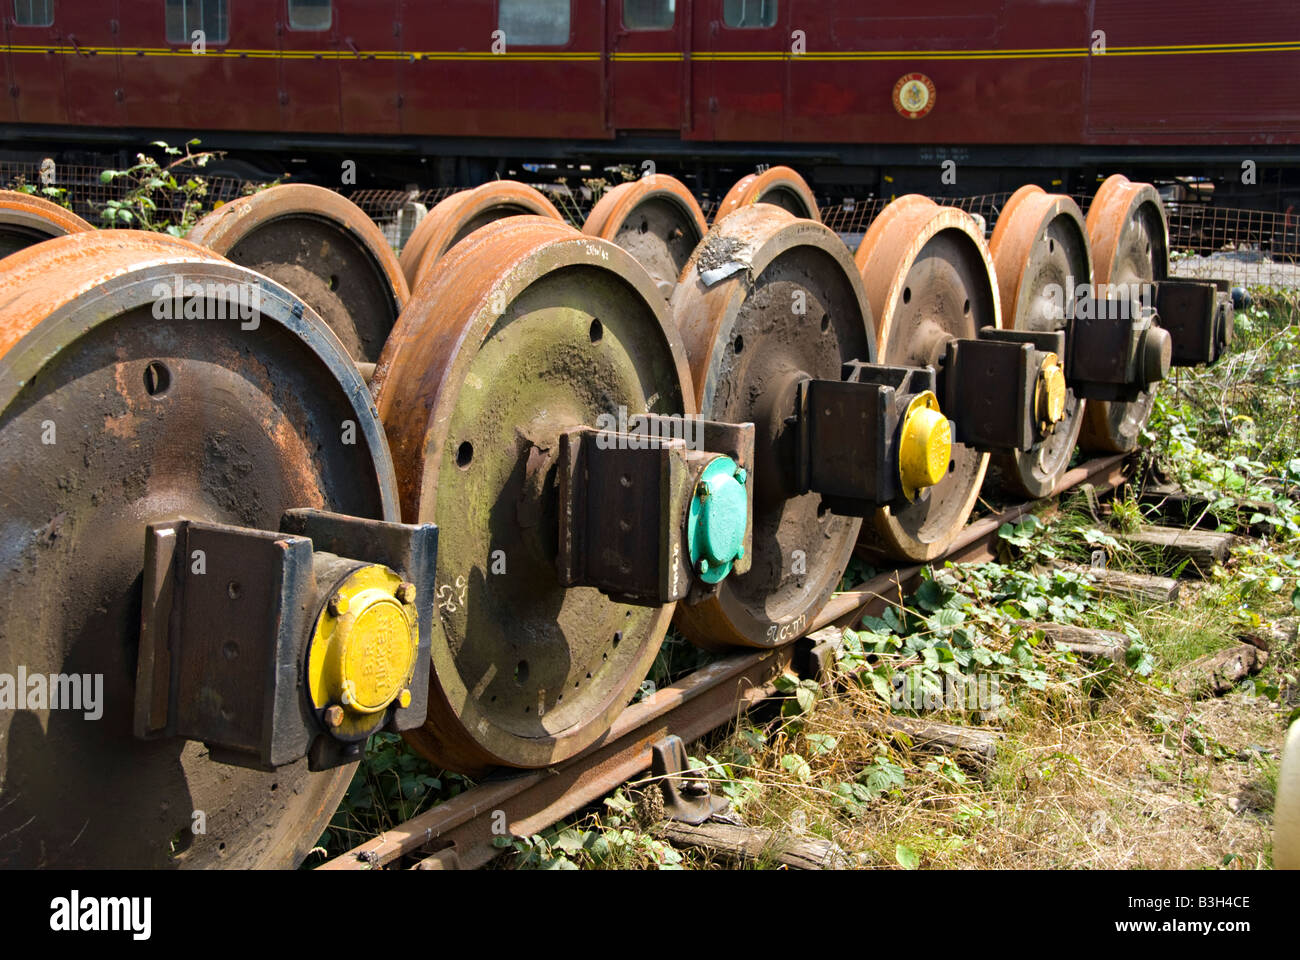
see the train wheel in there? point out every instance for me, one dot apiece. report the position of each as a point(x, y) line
point(461, 214)
point(526, 329)
point(1129, 237)
point(929, 279)
point(767, 300)
point(325, 249)
point(779, 186)
point(657, 220)
point(117, 411)
point(1040, 250)
point(26, 219)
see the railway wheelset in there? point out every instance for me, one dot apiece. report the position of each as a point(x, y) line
point(275, 489)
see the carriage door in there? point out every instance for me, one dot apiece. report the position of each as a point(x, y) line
point(646, 67)
point(92, 72)
point(750, 45)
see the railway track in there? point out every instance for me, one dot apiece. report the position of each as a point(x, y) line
point(279, 489)
point(459, 833)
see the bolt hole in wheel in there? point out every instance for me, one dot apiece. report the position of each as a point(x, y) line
point(464, 455)
point(521, 672)
point(826, 323)
point(1031, 276)
point(596, 331)
point(157, 378)
point(739, 344)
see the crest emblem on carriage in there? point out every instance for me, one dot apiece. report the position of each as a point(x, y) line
point(914, 95)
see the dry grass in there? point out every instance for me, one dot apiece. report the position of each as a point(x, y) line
point(1124, 774)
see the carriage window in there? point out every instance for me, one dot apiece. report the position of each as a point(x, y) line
point(33, 13)
point(310, 14)
point(649, 14)
point(186, 16)
point(534, 23)
point(749, 13)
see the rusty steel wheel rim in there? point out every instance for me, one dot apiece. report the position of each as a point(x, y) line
point(153, 418)
point(737, 307)
point(1129, 237)
point(1039, 242)
point(325, 249)
point(929, 279)
point(26, 219)
point(525, 329)
point(779, 186)
point(657, 220)
point(457, 216)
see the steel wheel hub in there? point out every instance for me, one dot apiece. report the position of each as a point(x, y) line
point(766, 301)
point(26, 219)
point(322, 247)
point(657, 220)
point(460, 214)
point(524, 330)
point(1130, 246)
point(778, 186)
point(929, 279)
point(1040, 249)
point(114, 417)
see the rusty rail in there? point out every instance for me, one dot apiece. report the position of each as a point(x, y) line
point(459, 833)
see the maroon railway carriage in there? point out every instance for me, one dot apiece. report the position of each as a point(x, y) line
point(852, 91)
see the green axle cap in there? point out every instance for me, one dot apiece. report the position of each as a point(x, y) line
point(715, 528)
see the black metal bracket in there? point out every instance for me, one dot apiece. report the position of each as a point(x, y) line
point(227, 617)
point(989, 386)
point(1199, 320)
point(624, 500)
point(687, 799)
point(848, 433)
point(1112, 355)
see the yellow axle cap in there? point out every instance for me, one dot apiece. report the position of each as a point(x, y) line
point(1049, 392)
point(362, 653)
point(926, 447)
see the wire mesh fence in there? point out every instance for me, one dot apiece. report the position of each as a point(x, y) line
point(83, 190)
point(1206, 230)
point(1247, 246)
